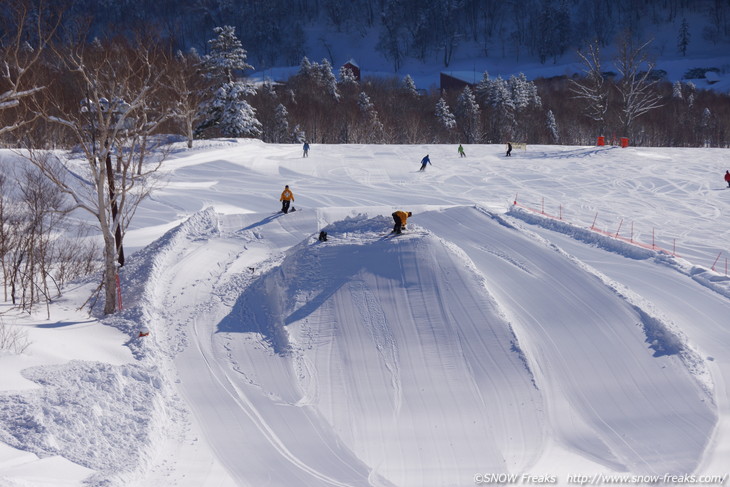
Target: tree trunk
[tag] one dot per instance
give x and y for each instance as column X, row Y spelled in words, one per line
column 189, row 123
column 110, row 263
column 110, row 276
column 115, row 211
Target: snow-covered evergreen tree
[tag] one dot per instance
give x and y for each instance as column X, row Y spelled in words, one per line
column 409, row 86
column 677, row 90
column 227, row 54
column 468, row 112
column 500, row 94
column 373, row 126
column 503, row 115
column 318, row 77
column 524, row 92
column 230, row 113
column 483, row 89
column 227, row 109
column 281, row 133
column 552, row 127
column 444, row 116
column 298, row 134
column 364, row 103
column 328, row 80
column 347, row 77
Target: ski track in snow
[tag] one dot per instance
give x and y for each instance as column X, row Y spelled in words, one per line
column 220, row 256
column 296, row 348
column 484, row 339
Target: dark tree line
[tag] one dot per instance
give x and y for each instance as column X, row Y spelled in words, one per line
column 190, row 94
column 495, row 110
column 434, row 30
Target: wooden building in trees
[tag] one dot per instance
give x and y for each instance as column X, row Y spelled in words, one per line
column 456, row 81
column 352, row 66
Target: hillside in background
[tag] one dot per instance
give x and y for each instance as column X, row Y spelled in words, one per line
column 417, row 37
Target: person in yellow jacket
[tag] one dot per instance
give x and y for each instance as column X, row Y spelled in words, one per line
column 400, row 218
column 286, row 198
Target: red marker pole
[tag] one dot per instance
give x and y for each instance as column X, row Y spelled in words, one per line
column 718, row 258
column 619, row 227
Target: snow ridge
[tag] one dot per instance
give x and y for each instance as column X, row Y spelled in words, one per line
column 662, row 336
column 704, row 276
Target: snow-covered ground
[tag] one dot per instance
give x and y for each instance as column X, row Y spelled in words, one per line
column 578, row 332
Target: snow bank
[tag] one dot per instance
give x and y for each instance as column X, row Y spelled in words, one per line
column 97, row 415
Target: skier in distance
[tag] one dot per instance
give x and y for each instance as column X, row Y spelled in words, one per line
column 425, row 161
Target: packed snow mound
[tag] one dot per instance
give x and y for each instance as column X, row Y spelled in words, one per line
column 583, row 335
column 462, row 345
column 397, row 343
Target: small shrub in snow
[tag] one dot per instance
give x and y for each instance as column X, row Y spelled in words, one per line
column 13, row 338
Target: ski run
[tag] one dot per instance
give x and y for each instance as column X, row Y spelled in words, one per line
column 556, row 317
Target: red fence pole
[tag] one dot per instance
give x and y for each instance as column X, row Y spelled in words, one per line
column 619, row 227
column 718, row 258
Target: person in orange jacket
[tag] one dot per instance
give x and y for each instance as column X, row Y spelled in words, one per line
column 400, row 218
column 286, row 198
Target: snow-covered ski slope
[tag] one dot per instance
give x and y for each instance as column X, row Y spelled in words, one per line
column 487, row 339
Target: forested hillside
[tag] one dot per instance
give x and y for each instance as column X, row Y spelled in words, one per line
column 184, row 68
column 281, row 32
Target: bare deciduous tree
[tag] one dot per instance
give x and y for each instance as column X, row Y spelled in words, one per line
column 118, row 103
column 190, row 88
column 26, row 32
column 637, row 86
column 592, row 88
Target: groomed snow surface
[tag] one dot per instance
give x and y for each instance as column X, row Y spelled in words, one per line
column 488, row 340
